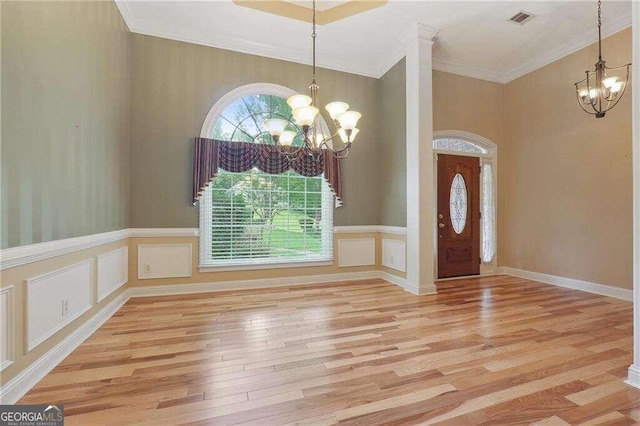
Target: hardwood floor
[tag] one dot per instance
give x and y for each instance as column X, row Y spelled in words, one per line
column 498, row 350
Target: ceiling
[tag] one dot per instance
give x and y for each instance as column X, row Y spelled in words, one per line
column 474, row 38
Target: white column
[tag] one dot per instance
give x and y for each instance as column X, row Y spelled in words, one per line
column 634, row 370
column 420, row 175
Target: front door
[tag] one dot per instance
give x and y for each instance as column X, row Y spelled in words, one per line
column 458, row 216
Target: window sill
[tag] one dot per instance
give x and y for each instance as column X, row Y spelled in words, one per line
column 250, row 267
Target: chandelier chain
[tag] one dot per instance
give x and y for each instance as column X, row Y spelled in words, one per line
column 599, row 30
column 313, row 36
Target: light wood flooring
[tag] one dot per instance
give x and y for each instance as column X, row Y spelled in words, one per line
column 497, row 350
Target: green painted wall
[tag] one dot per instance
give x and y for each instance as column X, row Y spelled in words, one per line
column 65, row 120
column 174, row 86
column 393, row 128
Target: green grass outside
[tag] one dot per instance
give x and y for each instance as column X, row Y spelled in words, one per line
column 286, row 227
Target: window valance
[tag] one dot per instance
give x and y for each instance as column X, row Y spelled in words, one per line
column 211, row 154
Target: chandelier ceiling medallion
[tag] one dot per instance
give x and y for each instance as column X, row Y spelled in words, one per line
column 308, row 123
column 601, row 90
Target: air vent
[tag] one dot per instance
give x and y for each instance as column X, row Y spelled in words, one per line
column 522, row 17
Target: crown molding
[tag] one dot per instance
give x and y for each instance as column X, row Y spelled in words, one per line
column 579, row 42
column 423, row 32
column 451, row 66
column 203, row 38
column 387, row 58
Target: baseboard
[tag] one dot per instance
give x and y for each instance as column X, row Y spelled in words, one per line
column 601, row 289
column 399, row 281
column 208, row 287
column 12, row 391
column 634, row 376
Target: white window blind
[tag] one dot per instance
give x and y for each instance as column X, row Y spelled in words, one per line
column 254, row 218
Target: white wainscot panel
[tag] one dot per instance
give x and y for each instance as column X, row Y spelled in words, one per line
column 356, row 252
column 56, row 299
column 394, row 254
column 112, row 271
column 6, row 327
column 164, row 260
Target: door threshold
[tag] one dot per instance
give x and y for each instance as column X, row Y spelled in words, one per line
column 464, row 277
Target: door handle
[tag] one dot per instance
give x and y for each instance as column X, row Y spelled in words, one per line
column 441, row 225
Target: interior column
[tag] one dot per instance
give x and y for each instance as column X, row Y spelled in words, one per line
column 634, row 370
column 420, row 170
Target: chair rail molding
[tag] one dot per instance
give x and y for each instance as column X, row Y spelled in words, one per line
column 22, row 255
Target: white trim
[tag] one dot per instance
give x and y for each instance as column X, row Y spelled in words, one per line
column 587, row 38
column 13, row 390
column 634, row 376
column 601, row 289
column 420, row 180
column 11, row 321
column 356, row 252
column 22, row 255
column 31, row 342
column 453, row 67
column 163, row 232
column 149, row 275
column 202, row 38
column 634, row 370
column 101, row 292
column 209, row 287
column 364, row 229
column 387, row 59
column 274, row 265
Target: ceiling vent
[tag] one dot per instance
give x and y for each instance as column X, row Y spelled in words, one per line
column 522, row 17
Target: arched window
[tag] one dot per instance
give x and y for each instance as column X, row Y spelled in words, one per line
column 469, row 144
column 255, row 218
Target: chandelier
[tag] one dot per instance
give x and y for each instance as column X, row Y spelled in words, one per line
column 600, row 91
column 308, row 121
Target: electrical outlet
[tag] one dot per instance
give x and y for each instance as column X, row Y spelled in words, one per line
column 393, row 260
column 65, row 307
column 147, row 267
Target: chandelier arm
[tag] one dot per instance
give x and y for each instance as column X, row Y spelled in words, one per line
column 346, row 148
column 620, row 95
column 340, row 155
column 583, row 108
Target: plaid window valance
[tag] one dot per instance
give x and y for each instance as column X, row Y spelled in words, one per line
column 237, row 157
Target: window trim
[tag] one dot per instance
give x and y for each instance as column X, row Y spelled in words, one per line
column 491, row 157
column 205, row 132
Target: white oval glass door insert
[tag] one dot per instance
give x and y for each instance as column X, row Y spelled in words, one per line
column 458, row 203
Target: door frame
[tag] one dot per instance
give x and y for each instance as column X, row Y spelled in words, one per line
column 490, row 157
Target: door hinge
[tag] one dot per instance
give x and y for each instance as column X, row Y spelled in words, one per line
column 480, row 260
column 480, row 213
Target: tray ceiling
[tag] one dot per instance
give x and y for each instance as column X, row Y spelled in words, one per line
column 474, row 39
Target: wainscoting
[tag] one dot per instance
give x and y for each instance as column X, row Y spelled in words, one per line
column 56, row 299
column 113, row 271
column 56, row 294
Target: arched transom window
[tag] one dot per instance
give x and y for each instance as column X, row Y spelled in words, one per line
column 255, row 218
